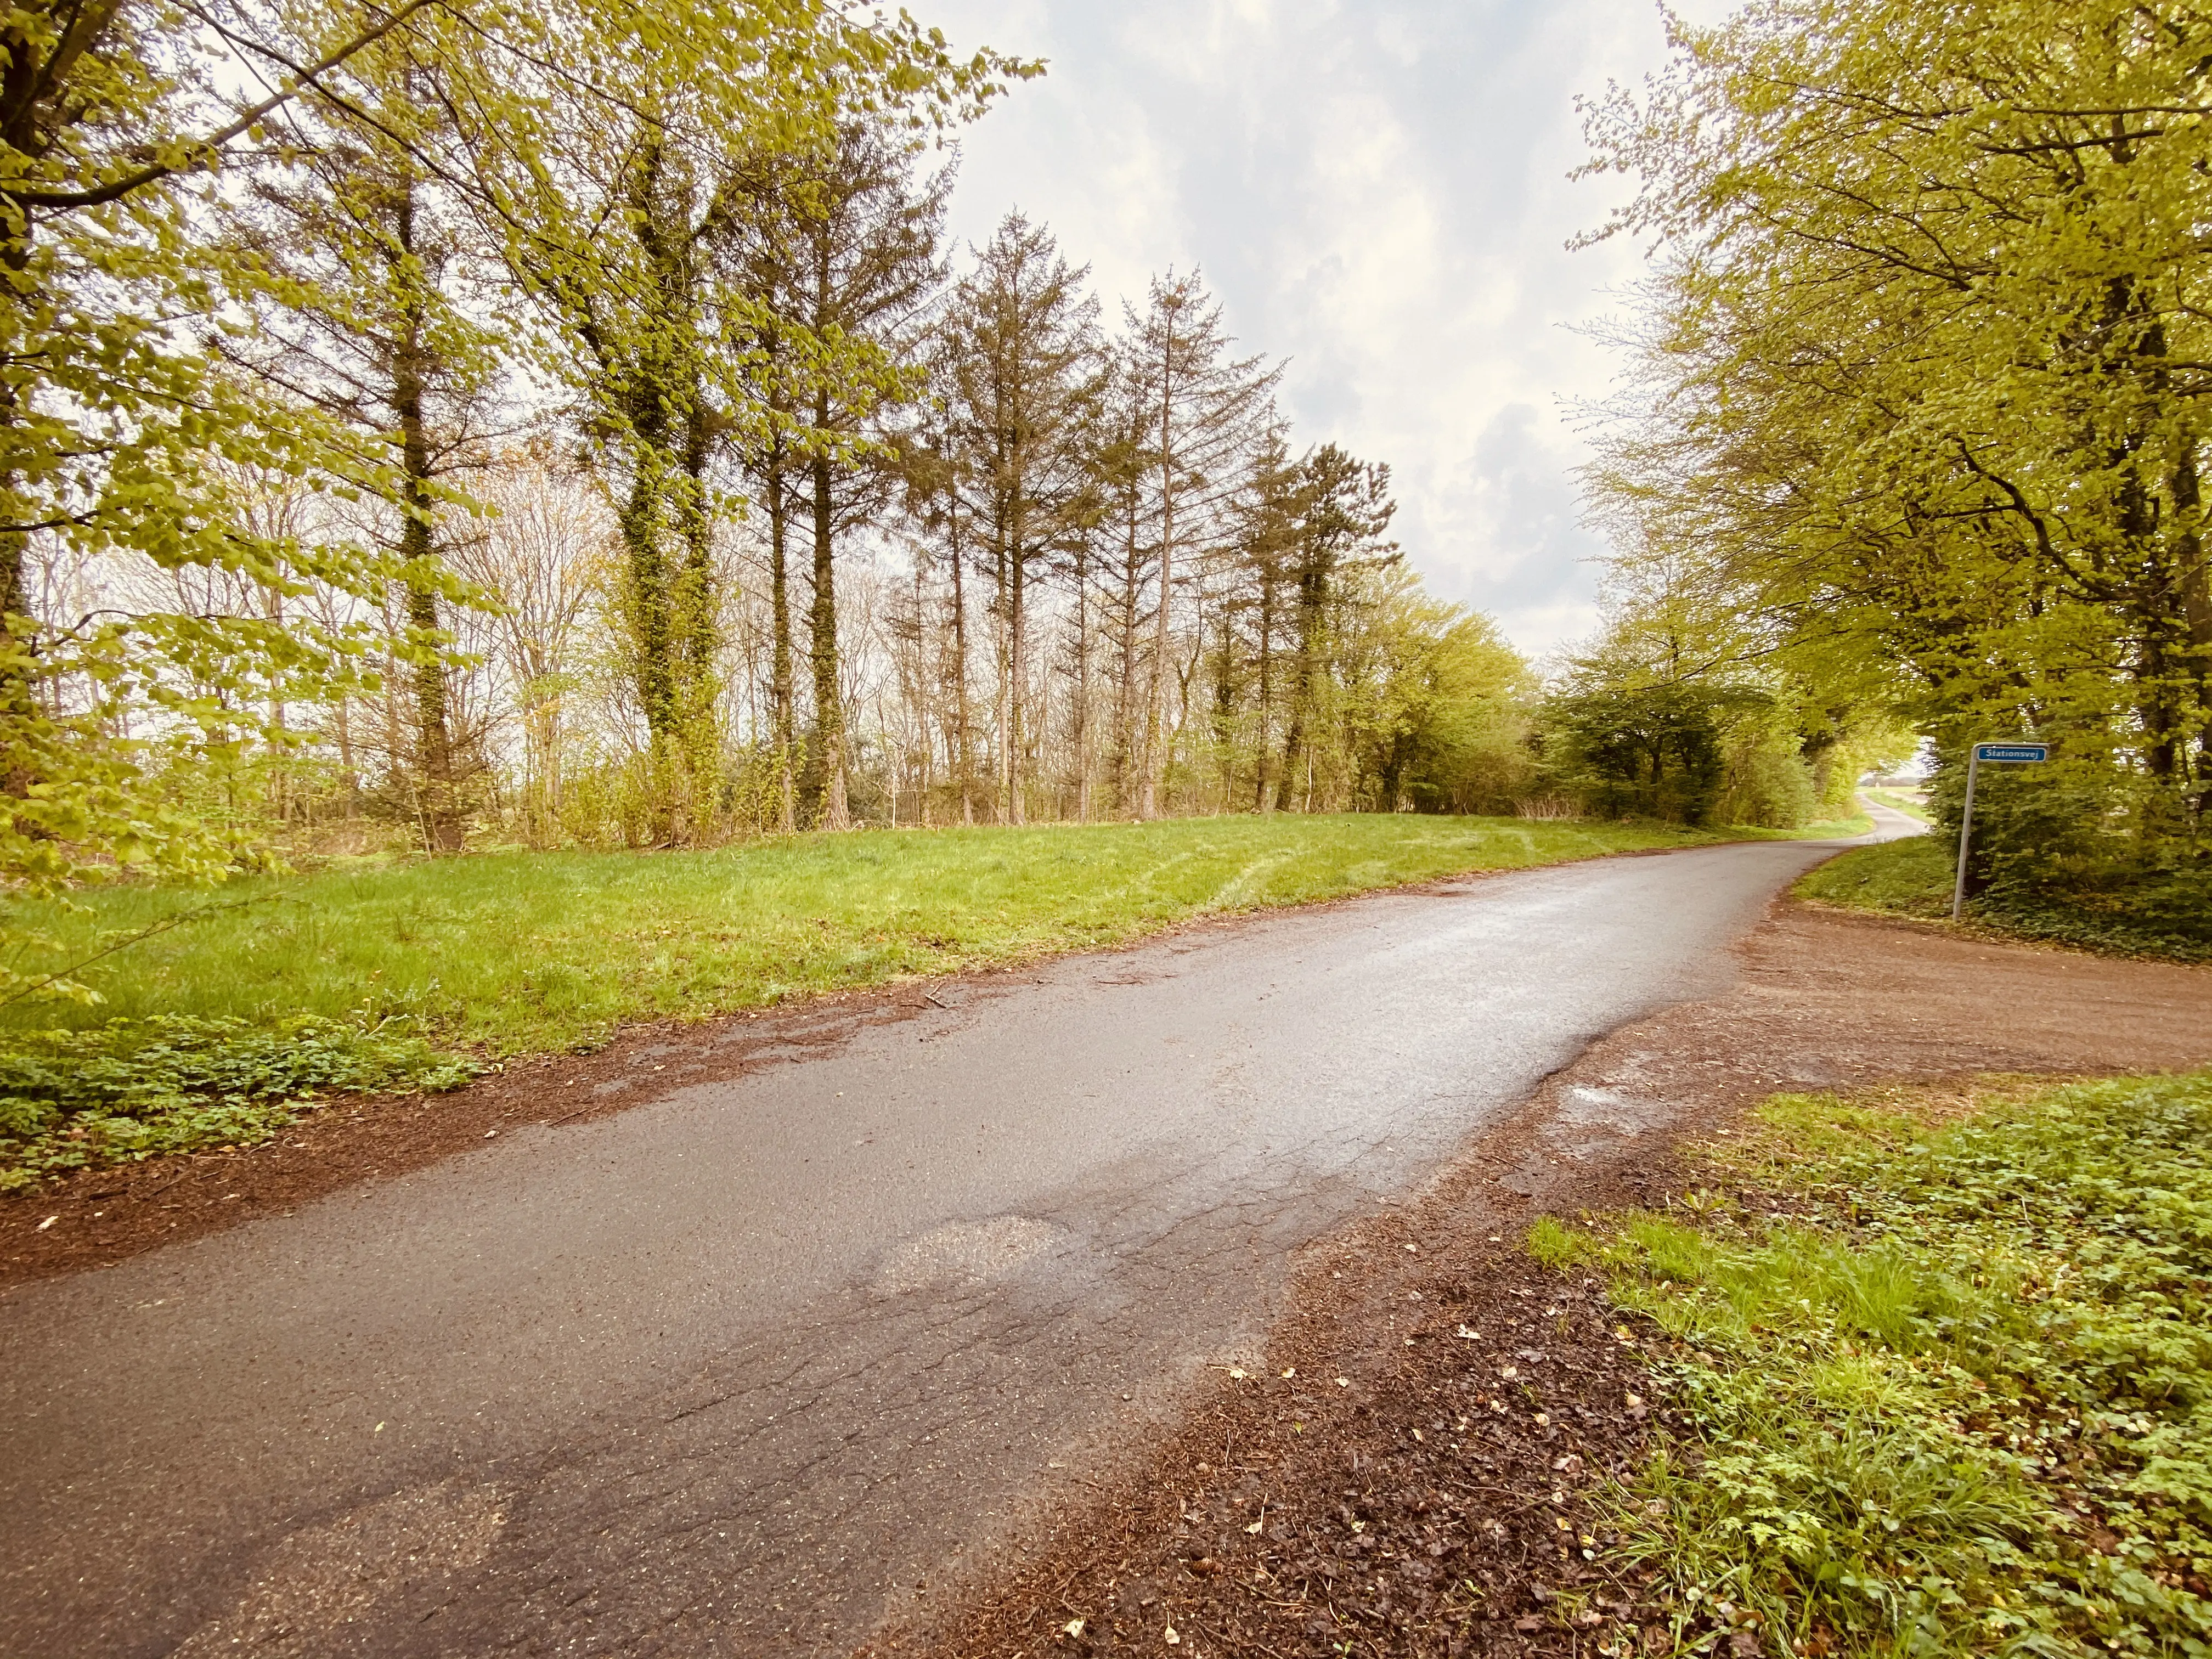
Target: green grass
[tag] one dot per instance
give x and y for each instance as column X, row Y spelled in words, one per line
column 1941, row 1380
column 1833, row 830
column 519, row 952
column 537, row 950
column 1909, row 877
column 2162, row 914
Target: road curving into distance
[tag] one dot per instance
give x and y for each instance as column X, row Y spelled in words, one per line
column 743, row 1369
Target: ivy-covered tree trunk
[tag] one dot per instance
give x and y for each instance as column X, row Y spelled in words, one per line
column 832, row 810
column 782, row 690
column 436, row 786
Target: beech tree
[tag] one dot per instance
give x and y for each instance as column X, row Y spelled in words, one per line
column 120, row 438
column 1923, row 369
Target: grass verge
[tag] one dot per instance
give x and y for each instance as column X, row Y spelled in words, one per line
column 2164, row 917
column 1946, row 1367
column 368, row 971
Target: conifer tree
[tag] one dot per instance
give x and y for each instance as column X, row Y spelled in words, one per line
column 1019, row 368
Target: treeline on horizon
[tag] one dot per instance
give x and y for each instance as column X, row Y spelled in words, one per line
column 437, row 425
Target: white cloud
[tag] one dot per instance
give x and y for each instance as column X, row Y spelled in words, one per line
column 1376, row 189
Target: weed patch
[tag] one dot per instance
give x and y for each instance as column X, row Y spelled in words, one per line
column 1947, row 1375
column 130, row 1089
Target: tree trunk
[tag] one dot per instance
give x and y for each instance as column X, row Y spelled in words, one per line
column 1017, row 666
column 433, row 744
column 1148, row 799
column 1128, row 749
column 1264, row 800
column 1312, row 601
column 780, row 690
column 698, row 632
column 1000, row 716
column 1080, row 731
column 18, row 631
column 960, row 717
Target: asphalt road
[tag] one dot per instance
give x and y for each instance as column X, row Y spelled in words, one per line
column 739, row 1370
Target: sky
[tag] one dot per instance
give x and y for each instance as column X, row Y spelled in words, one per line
column 1375, row 190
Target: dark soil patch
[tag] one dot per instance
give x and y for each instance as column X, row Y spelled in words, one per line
column 1432, row 1504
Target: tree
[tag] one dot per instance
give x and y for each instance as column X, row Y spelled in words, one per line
column 541, row 552
column 1342, row 506
column 1205, row 411
column 1019, row 369
column 121, row 441
column 1923, row 366
column 654, row 144
column 1124, row 556
column 376, row 330
column 840, row 248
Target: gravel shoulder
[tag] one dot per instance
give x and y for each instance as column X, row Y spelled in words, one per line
column 1406, row 1470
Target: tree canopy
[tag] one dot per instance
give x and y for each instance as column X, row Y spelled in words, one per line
column 1917, row 404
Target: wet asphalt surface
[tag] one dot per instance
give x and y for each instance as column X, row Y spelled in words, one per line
column 747, row 1368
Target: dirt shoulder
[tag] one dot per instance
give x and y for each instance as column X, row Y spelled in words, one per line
column 1407, row 1472
column 100, row 1216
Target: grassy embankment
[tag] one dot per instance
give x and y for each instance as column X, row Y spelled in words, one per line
column 2154, row 916
column 351, row 977
column 1940, row 1374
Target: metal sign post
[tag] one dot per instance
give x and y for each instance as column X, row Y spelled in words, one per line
column 1997, row 754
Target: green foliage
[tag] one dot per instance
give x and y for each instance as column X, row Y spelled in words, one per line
column 124, row 438
column 1680, row 711
column 1648, row 750
column 147, row 416
column 1921, row 385
column 131, row 1089
column 1439, row 718
column 2121, row 908
column 1960, row 1400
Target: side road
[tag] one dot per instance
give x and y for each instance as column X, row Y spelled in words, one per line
column 748, row 1366
column 1401, row 1470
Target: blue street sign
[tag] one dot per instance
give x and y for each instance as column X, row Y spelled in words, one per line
column 2002, row 754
